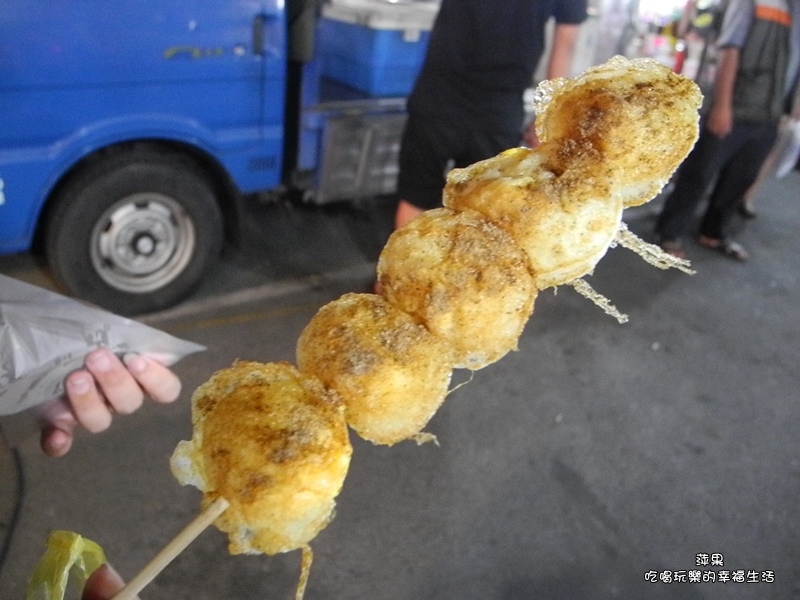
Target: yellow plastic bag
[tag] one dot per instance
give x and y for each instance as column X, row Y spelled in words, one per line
column 67, row 554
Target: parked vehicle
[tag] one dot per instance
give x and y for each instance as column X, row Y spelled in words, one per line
column 131, row 133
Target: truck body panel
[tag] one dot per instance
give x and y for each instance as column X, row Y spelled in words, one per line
column 82, row 75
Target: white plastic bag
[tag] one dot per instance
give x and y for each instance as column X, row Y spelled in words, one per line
column 44, row 336
column 790, row 148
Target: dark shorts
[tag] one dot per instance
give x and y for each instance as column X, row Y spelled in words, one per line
column 431, row 147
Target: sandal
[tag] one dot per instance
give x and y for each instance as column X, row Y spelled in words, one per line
column 728, row 247
column 673, row 248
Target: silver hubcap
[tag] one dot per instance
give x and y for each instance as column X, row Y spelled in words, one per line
column 142, row 243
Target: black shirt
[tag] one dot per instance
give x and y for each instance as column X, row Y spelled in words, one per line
column 481, row 57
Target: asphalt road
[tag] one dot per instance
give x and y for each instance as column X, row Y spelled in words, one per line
column 597, row 457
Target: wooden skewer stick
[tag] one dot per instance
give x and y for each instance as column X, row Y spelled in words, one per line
column 171, row 550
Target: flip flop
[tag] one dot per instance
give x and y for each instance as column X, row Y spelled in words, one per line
column 728, row 247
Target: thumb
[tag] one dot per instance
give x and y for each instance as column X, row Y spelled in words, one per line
column 103, row 584
column 57, row 423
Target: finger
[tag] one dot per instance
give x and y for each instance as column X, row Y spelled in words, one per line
column 161, row 384
column 88, row 405
column 103, row 584
column 717, row 130
column 57, row 424
column 56, row 442
column 113, row 379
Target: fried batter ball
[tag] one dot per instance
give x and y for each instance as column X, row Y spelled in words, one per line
column 273, row 443
column 563, row 222
column 463, row 278
column 639, row 115
column 391, row 372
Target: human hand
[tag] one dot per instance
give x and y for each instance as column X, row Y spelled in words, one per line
column 530, row 137
column 104, row 387
column 720, row 120
column 103, row 584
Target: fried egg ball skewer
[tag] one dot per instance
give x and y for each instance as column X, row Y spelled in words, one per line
column 274, row 444
column 272, row 441
column 391, row 373
column 463, row 278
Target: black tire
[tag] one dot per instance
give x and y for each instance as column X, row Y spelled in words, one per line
column 134, row 232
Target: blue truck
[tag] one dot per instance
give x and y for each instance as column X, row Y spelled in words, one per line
column 131, row 132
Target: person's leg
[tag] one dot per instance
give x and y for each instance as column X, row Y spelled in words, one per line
column 753, row 144
column 424, row 156
column 693, row 178
column 746, row 206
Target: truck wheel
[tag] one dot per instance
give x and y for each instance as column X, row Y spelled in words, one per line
column 134, row 234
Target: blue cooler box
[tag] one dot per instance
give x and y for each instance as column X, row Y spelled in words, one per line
column 376, row 47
